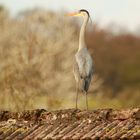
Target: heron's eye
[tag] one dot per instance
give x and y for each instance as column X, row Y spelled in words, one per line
column 82, row 13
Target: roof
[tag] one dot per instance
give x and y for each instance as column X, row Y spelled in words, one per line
column 70, row 124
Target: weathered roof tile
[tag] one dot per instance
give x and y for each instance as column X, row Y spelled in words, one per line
column 71, row 124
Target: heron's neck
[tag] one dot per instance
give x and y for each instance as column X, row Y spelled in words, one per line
column 82, row 43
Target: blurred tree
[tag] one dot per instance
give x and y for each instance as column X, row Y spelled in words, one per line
column 4, row 15
column 116, row 58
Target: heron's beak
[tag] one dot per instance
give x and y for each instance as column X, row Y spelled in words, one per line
column 74, row 14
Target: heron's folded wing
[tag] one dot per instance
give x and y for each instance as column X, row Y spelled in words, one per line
column 76, row 71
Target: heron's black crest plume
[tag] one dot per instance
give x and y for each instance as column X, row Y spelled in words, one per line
column 83, row 10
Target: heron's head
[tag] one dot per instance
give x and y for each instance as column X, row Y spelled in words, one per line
column 81, row 12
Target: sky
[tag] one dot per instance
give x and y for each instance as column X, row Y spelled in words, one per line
column 125, row 13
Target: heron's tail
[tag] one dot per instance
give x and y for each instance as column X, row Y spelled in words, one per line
column 85, row 84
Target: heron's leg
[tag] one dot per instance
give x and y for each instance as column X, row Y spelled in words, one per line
column 86, row 100
column 77, row 91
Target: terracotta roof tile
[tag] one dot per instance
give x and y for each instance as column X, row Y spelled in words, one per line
column 70, row 124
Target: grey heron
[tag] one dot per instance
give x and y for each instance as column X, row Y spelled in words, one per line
column 83, row 65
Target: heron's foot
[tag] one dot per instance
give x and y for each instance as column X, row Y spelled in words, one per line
column 76, row 107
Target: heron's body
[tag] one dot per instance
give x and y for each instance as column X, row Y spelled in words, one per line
column 83, row 65
column 83, row 69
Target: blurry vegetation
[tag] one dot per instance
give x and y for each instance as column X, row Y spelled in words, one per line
column 36, row 57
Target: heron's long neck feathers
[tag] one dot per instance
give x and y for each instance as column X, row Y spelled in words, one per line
column 82, row 42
